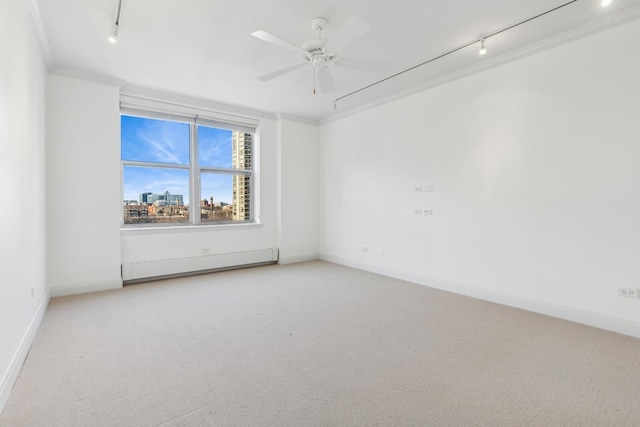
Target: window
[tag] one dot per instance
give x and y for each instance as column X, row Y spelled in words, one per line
column 185, row 169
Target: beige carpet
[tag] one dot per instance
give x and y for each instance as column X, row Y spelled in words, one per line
column 316, row 344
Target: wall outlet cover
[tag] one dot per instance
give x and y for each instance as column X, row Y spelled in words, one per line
column 628, row 292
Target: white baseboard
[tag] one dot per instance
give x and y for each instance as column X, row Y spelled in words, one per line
column 601, row 321
column 83, row 288
column 11, row 374
column 298, row 258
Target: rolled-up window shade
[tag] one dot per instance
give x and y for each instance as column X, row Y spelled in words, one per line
column 140, row 107
column 157, row 115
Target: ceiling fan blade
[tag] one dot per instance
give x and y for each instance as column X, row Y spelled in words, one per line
column 325, row 80
column 282, row 72
column 381, row 68
column 347, row 34
column 273, row 39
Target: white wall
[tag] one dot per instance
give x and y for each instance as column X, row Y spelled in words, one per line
column 83, row 185
column 535, row 170
column 22, row 179
column 299, row 207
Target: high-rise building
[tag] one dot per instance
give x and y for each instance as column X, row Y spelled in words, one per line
column 143, row 198
column 171, row 199
column 242, row 143
column 174, row 199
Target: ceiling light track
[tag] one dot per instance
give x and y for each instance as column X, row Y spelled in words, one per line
column 482, row 51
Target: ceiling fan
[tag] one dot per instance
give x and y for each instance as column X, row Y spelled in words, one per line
column 321, row 52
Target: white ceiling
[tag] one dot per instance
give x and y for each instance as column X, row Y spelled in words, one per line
column 204, row 48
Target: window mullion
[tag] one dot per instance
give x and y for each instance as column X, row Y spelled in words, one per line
column 121, row 192
column 194, row 209
column 154, row 165
column 228, row 171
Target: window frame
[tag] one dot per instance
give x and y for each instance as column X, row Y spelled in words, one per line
column 195, row 118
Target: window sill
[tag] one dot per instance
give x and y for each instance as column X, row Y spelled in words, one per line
column 133, row 231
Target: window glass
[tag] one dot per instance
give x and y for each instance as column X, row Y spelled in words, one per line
column 215, row 197
column 215, row 147
column 152, row 140
column 225, row 197
column 155, row 195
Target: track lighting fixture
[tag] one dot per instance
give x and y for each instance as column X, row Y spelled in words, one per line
column 483, row 50
column 113, row 38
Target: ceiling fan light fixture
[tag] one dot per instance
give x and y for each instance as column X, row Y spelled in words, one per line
column 483, row 49
column 319, row 61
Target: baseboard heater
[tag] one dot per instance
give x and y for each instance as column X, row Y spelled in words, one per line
column 152, row 270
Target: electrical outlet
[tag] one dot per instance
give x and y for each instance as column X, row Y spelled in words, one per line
column 628, row 292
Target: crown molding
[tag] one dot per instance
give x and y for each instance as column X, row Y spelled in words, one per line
column 87, row 76
column 33, row 10
column 567, row 37
column 290, row 117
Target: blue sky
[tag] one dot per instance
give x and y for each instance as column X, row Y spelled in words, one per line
column 167, row 142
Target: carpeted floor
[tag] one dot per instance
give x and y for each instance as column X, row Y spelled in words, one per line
column 316, row 344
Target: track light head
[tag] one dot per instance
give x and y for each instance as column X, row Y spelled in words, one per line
column 483, row 50
column 113, row 38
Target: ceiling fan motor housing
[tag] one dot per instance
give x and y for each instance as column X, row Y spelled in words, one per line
column 315, row 48
column 315, row 52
